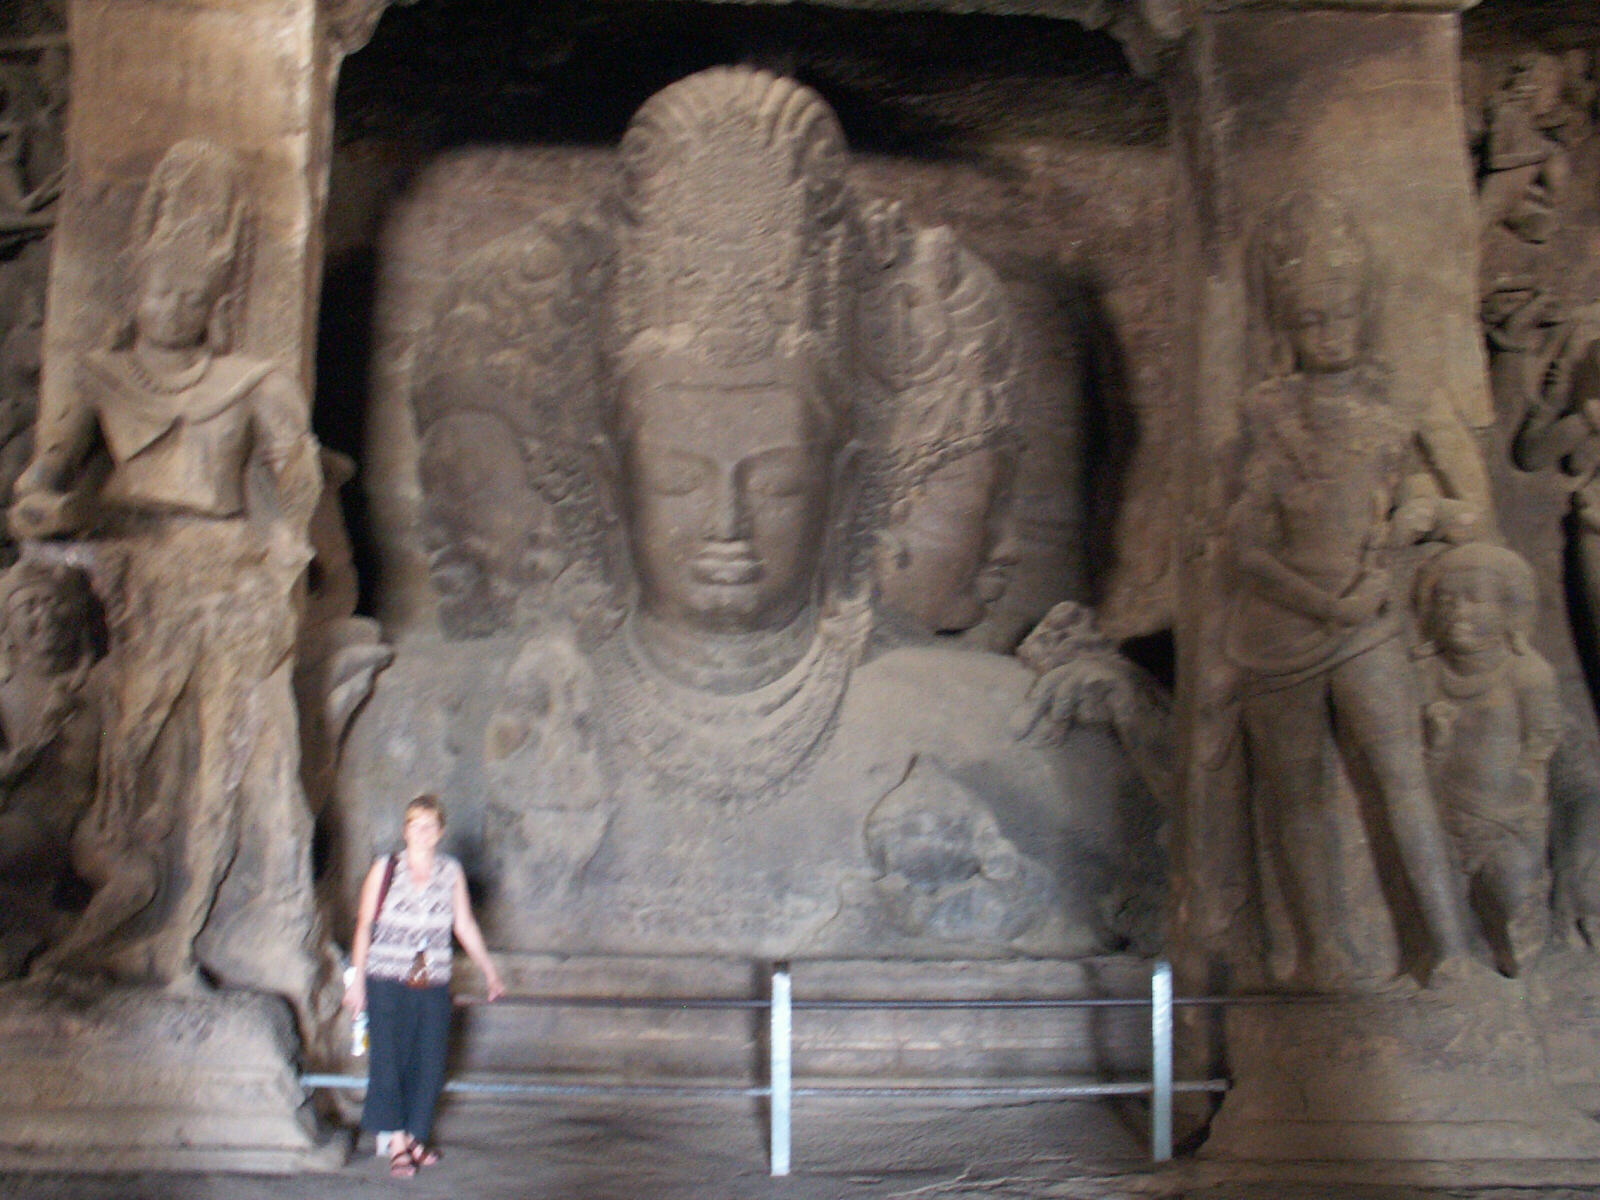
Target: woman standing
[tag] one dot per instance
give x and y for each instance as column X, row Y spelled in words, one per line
column 410, row 904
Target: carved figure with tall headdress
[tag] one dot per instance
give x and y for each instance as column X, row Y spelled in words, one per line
column 1315, row 629
column 190, row 470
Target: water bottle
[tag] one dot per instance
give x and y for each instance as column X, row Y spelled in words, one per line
column 358, row 1023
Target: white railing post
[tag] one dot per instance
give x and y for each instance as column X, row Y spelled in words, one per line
column 1161, row 1061
column 781, row 1055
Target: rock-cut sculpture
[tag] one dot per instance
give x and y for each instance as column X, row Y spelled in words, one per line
column 677, row 415
column 187, row 472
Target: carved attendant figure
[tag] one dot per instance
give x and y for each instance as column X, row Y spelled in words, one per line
column 197, row 841
column 1492, row 717
column 49, row 735
column 1314, row 626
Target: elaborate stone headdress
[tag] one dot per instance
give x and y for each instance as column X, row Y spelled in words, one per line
column 936, row 332
column 734, row 269
column 1307, row 246
column 731, row 248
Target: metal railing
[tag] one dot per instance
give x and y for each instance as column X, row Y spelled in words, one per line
column 780, row 1090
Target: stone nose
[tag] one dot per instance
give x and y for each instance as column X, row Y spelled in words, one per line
column 730, row 512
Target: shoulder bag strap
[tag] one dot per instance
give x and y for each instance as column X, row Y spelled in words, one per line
column 383, row 888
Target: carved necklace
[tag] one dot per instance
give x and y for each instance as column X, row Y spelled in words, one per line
column 168, row 385
column 742, row 748
column 1458, row 685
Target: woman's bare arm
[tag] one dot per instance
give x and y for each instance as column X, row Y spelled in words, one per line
column 355, row 996
column 471, row 939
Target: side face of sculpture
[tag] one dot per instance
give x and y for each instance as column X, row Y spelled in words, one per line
column 937, row 565
column 942, row 346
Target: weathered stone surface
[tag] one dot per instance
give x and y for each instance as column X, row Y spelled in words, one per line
column 1458, row 1073
column 679, row 455
column 131, row 1079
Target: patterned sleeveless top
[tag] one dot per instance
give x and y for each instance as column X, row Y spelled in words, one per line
column 416, row 918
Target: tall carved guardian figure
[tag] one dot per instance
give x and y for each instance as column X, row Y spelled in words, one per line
column 188, row 473
column 1315, row 627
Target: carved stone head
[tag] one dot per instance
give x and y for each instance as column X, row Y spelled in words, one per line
column 727, row 409
column 1314, row 271
column 188, row 238
column 726, row 479
column 1476, row 598
column 47, row 619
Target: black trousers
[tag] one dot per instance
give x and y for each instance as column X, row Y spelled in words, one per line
column 409, row 1033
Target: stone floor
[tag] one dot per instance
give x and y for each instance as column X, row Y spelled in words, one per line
column 845, row 1149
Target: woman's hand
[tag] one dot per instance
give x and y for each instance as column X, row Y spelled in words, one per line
column 493, row 983
column 355, row 995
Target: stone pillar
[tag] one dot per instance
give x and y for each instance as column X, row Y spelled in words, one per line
column 161, row 1070
column 1357, row 103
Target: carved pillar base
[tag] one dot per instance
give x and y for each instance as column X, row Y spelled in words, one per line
column 135, row 1080
column 1455, row 1074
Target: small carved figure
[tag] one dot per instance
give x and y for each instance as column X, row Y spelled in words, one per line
column 946, row 871
column 1561, row 430
column 32, row 164
column 49, row 723
column 1534, row 124
column 192, row 469
column 1315, row 628
column 1491, row 717
column 1525, row 168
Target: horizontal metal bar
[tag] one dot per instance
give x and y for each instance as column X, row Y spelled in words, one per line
column 657, row 1002
column 1034, row 1091
column 1030, row 1002
column 755, row 1003
column 513, row 1087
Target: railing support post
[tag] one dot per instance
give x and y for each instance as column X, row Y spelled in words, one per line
column 1161, row 1061
column 781, row 1058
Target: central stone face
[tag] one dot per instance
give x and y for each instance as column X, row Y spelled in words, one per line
column 663, row 443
